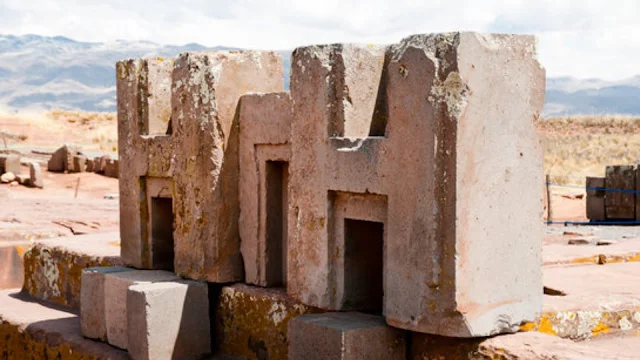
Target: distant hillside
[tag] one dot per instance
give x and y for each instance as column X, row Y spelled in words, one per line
column 570, row 96
column 57, row 72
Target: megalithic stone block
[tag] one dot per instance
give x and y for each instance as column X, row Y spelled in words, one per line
column 595, row 199
column 620, row 204
column 116, row 285
column 265, row 129
column 92, row 301
column 344, row 336
column 446, row 185
column 479, row 255
column 199, row 153
column 168, row 320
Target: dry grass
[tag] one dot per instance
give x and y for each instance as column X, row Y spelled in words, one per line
column 580, row 146
column 94, row 131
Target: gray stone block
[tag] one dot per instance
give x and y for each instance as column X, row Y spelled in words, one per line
column 92, row 301
column 115, row 289
column 168, row 320
column 344, row 336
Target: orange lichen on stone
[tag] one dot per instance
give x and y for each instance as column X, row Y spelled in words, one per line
column 546, row 326
column 54, row 274
column 252, row 322
column 600, row 329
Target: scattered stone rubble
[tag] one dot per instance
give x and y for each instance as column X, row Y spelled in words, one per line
column 69, row 158
column 10, row 171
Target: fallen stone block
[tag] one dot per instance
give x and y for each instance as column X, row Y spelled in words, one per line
column 90, row 165
column 53, row 268
column 35, row 175
column 92, row 301
column 168, row 320
column 7, row 178
column 79, row 164
column 10, row 163
column 116, row 286
column 100, row 163
column 344, row 336
column 62, row 159
column 252, row 322
column 111, row 168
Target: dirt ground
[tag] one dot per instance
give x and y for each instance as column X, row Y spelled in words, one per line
column 30, row 213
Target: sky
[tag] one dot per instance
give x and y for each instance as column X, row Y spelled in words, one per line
column 583, row 39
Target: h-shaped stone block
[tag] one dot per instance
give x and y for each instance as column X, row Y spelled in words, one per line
column 434, row 217
column 178, row 151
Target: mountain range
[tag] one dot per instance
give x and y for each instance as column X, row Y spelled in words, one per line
column 58, row 72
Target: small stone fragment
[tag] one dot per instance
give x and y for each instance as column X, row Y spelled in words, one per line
column 35, row 174
column 7, row 177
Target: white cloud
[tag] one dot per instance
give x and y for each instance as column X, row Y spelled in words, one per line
column 587, row 38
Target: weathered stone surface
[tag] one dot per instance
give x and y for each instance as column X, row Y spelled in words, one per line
column 92, row 301
column 23, row 179
column 115, row 290
column 168, row 320
column 10, row 163
column 53, row 268
column 344, row 336
column 265, row 127
column 428, row 190
column 79, row 164
column 199, row 155
column 35, row 175
column 90, row 165
column 100, row 163
column 597, row 300
column 251, row 323
column 112, row 168
column 595, row 199
column 620, row 204
column 29, row 330
column 521, row 346
column 11, row 264
column 7, row 178
column 62, row 159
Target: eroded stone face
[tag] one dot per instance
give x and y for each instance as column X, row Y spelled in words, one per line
column 198, row 155
column 443, row 191
column 400, row 180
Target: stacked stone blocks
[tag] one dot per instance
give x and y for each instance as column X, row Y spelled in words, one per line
column 390, row 179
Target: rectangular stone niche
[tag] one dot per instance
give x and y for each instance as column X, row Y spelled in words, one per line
column 357, row 238
column 363, row 265
column 161, row 223
column 277, row 173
